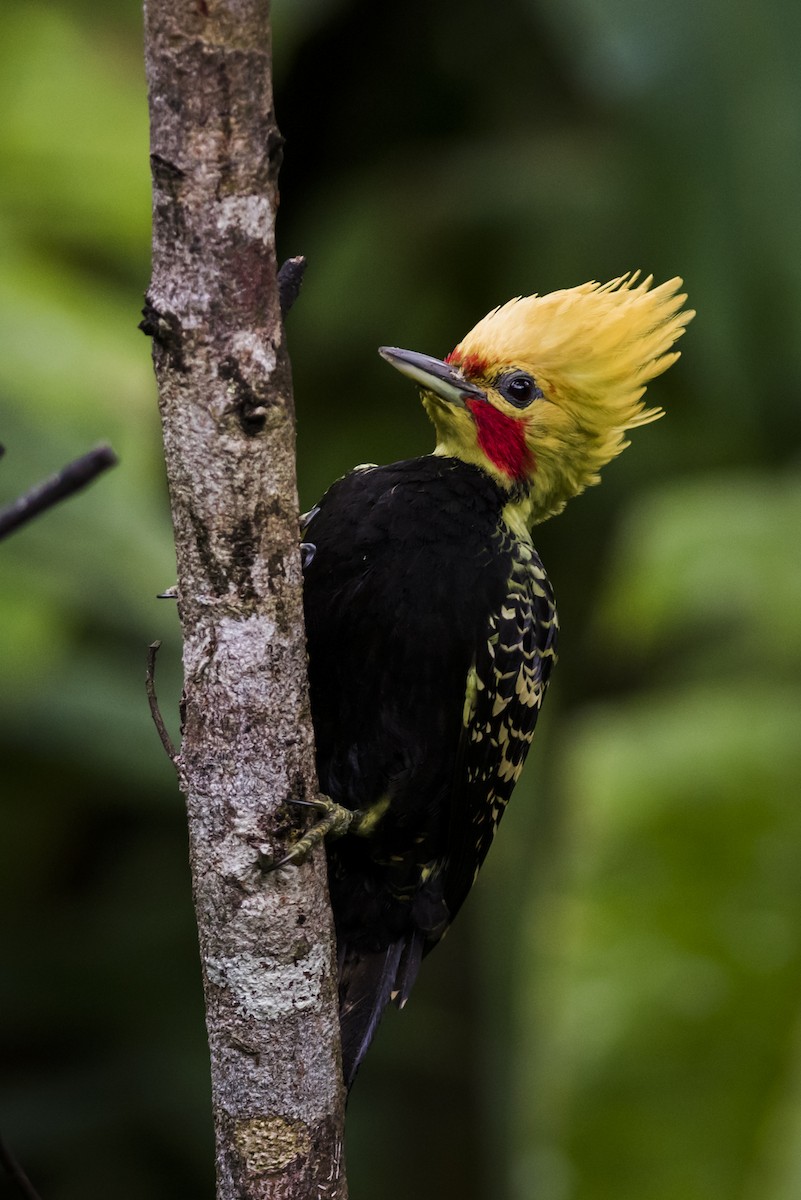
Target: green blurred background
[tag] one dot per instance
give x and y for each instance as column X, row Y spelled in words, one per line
column 616, row 1015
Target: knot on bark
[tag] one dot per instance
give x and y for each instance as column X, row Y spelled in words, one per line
column 250, row 390
column 167, row 333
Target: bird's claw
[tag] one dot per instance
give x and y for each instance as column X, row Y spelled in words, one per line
column 335, row 820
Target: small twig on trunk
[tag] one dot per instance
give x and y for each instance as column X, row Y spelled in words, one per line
column 290, row 277
column 16, row 1173
column 66, row 482
column 155, row 711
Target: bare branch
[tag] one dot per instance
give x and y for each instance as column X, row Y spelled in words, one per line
column 70, row 479
column 155, row 711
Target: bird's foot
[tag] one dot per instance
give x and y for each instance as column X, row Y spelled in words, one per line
column 334, row 820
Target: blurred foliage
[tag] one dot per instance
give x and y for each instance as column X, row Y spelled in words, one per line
column 616, row 1013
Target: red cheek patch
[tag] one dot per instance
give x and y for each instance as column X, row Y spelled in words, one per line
column 503, row 439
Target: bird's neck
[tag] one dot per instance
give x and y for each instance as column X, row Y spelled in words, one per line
column 518, row 506
column 519, row 513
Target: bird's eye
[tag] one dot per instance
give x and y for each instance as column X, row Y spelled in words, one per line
column 519, row 389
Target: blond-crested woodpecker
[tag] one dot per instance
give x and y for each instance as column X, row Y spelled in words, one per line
column 431, row 622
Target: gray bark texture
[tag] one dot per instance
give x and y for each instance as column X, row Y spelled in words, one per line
column 266, row 939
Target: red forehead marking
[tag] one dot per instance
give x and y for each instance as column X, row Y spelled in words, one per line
column 503, row 439
column 470, row 364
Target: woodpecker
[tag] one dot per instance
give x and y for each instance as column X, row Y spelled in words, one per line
column 431, row 622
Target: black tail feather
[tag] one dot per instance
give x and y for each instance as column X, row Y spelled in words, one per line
column 408, row 967
column 367, row 983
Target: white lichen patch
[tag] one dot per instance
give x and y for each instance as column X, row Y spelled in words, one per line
column 253, row 351
column 244, row 645
column 265, row 989
column 237, row 855
column 250, row 215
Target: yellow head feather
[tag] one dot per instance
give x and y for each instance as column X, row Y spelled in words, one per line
column 591, row 349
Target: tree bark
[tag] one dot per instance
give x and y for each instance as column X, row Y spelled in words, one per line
column 212, row 309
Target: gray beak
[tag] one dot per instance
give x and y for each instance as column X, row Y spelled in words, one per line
column 433, row 375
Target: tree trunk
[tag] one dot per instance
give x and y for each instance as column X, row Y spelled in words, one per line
column 266, row 939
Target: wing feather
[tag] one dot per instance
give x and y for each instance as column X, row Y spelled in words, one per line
column 503, row 695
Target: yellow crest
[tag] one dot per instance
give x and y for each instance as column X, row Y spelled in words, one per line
column 591, row 349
